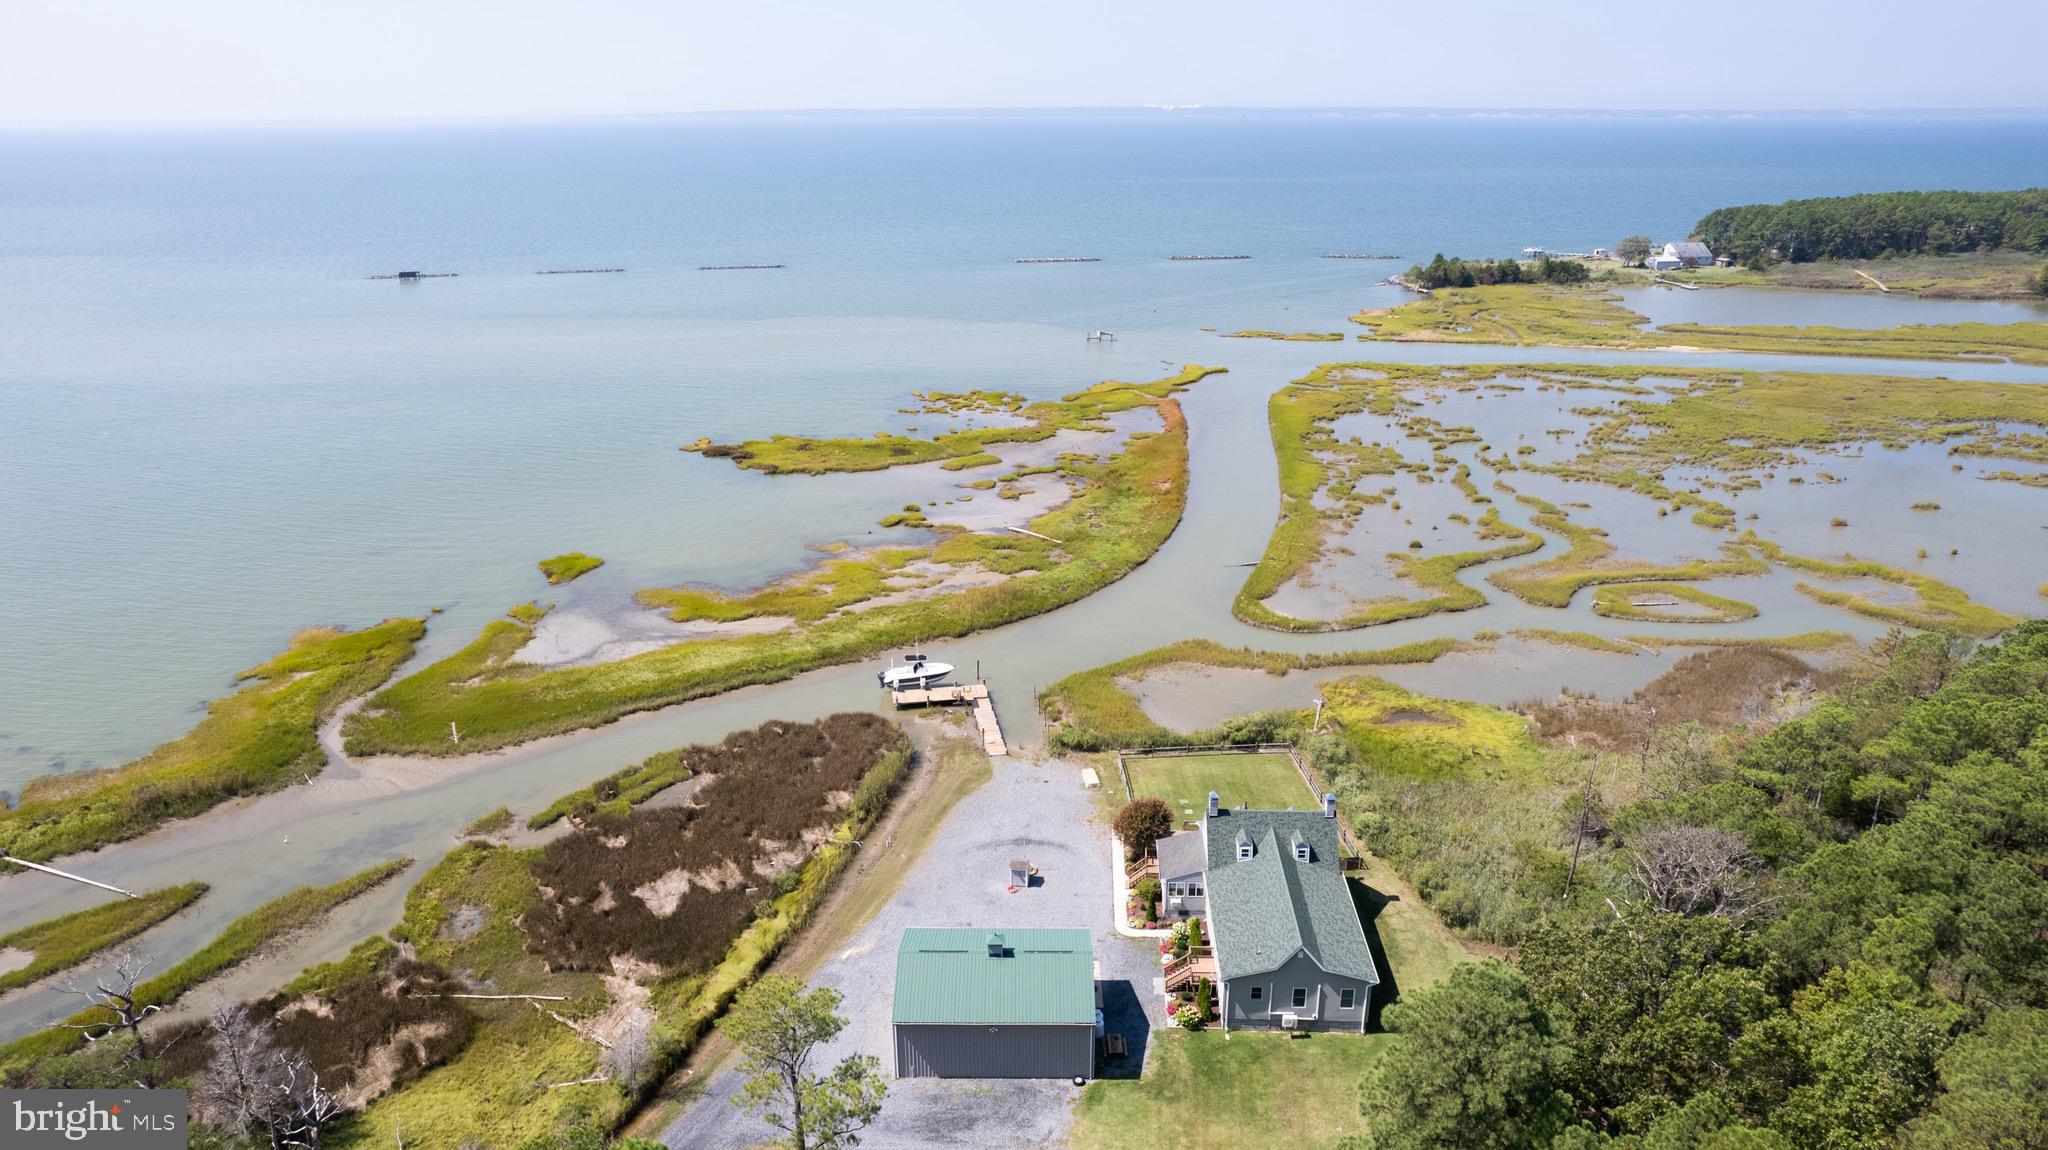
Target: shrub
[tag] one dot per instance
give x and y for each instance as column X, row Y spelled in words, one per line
column 1147, row 891
column 1142, row 823
column 1205, row 994
column 1190, row 1017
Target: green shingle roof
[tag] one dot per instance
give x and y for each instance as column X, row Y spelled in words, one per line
column 1265, row 908
column 947, row 976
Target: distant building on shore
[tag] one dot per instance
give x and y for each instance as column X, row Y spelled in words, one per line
column 1684, row 254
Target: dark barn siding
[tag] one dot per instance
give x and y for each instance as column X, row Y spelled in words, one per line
column 954, row 1051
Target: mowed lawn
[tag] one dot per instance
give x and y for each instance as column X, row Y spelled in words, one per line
column 1253, row 1090
column 1261, row 782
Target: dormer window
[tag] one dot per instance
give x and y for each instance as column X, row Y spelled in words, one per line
column 1300, row 851
column 1244, row 846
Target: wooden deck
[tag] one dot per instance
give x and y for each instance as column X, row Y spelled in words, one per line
column 974, row 695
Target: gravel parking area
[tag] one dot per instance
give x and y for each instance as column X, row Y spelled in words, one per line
column 1037, row 811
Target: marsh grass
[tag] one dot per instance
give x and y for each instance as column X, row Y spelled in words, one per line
column 261, row 738
column 1544, row 314
column 1401, row 732
column 64, row 942
column 1584, row 640
column 1090, row 711
column 1127, row 506
column 496, row 1091
column 1586, row 562
column 1941, row 607
column 241, row 939
column 1613, row 603
column 1082, row 410
column 568, row 565
column 1296, row 336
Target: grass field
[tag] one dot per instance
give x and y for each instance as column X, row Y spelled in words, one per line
column 1261, row 782
column 1249, row 1091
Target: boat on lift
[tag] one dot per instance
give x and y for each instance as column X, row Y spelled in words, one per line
column 913, row 672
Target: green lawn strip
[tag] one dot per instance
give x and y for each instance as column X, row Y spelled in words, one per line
column 568, row 565
column 1613, row 602
column 495, row 1091
column 1804, row 641
column 64, row 942
column 1083, row 409
column 1128, row 506
column 1584, row 640
column 1401, row 732
column 1553, row 582
column 1522, row 314
column 1252, row 1090
column 261, row 738
column 1092, row 711
column 1942, row 607
column 243, row 937
column 1296, row 336
column 617, row 792
column 1261, row 782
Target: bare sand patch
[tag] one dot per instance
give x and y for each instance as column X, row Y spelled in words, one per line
column 14, row 958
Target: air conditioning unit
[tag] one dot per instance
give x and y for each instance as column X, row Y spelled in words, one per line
column 1290, row 1022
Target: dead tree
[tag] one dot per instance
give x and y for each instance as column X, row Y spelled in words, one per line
column 252, row 1085
column 116, row 988
column 1685, row 869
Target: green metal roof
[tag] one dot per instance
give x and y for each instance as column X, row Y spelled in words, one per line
column 948, row 976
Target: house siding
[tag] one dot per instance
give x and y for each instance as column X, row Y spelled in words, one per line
column 1322, row 1011
column 1022, row 1051
column 1190, row 904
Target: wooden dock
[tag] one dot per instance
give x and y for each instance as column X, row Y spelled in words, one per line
column 974, row 695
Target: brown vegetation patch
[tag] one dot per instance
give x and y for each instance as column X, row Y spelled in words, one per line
column 363, row 1036
column 1718, row 687
column 688, row 868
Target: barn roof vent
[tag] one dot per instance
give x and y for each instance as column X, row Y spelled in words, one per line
column 995, row 946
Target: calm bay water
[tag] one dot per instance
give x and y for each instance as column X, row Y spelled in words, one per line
column 215, row 430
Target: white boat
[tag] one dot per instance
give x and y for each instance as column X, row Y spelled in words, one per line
column 913, row 672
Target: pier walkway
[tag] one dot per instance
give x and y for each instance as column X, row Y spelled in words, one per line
column 974, row 695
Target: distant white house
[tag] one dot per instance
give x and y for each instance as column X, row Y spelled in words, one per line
column 1684, row 254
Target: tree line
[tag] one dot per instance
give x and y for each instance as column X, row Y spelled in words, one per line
column 1455, row 272
column 1880, row 224
column 1830, row 934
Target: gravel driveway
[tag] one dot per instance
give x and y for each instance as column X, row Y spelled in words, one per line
column 1037, row 811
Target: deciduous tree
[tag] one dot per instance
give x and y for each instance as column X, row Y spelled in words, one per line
column 779, row 1023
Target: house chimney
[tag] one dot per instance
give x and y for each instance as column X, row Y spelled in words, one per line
column 1329, row 804
column 995, row 946
column 1215, row 803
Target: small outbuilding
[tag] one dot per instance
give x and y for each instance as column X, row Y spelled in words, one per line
column 978, row 1003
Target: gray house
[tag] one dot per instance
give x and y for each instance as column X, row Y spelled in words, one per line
column 1183, row 859
column 1289, row 950
column 995, row 1004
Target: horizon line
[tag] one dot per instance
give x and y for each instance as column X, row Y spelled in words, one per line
column 1390, row 111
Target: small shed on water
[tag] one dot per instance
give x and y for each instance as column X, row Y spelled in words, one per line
column 980, row 1003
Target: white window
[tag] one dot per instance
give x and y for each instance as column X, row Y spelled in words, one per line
column 1346, row 998
column 1244, row 850
column 1301, row 852
column 1300, row 997
column 1194, row 890
column 1258, row 992
column 1175, row 889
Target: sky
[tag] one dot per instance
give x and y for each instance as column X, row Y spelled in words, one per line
column 83, row 61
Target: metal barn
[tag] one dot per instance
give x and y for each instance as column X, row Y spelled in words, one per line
column 976, row 1003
